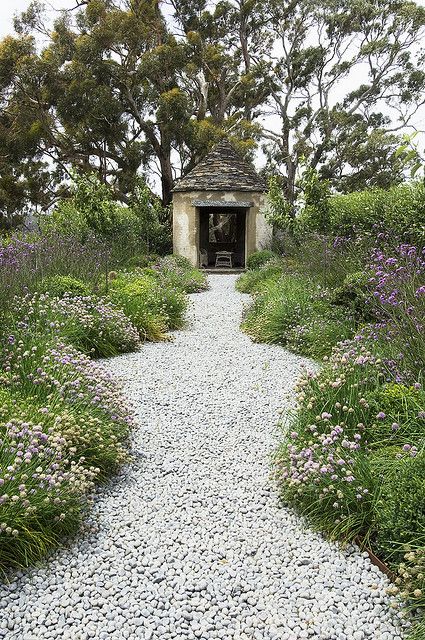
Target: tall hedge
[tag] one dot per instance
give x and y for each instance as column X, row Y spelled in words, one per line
column 399, row 210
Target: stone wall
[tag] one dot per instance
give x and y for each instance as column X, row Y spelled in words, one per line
column 186, row 220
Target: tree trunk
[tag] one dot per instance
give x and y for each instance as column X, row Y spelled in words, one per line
column 290, row 183
column 167, row 181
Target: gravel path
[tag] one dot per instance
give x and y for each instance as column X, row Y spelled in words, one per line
column 190, row 542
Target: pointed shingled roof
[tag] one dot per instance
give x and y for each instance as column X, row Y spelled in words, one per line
column 222, row 169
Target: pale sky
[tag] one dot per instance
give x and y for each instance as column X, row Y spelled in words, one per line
column 8, row 8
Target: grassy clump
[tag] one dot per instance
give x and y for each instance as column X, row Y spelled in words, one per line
column 91, row 324
column 259, row 258
column 63, row 426
column 152, row 306
column 289, row 309
column 177, row 272
column 254, row 280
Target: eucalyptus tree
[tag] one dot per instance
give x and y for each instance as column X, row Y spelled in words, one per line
column 225, row 77
column 126, row 87
column 24, row 174
column 346, row 77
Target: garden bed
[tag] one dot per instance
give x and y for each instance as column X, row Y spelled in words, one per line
column 353, row 457
column 64, row 424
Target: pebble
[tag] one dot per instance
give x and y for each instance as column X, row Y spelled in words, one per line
column 189, row 540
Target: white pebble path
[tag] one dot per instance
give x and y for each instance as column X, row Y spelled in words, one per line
column 190, row 541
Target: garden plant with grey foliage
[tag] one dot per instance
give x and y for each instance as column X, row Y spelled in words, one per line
column 191, row 541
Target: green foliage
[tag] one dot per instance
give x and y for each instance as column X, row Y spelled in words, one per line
column 259, row 258
column 152, row 220
column 92, row 325
column 280, row 214
column 142, row 260
column 401, row 505
column 354, row 293
column 26, row 261
column 177, row 272
column 418, row 632
column 337, row 489
column 253, row 281
column 70, row 425
column 58, row 286
column 325, row 259
column 181, row 261
column 353, row 458
column 151, row 306
column 410, row 153
column 402, row 406
column 316, row 194
column 92, row 209
column 291, row 311
column 187, row 82
column 397, row 211
column 61, row 415
column 319, row 331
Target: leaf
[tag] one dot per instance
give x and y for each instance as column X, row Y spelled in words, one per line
column 415, row 168
column 400, row 150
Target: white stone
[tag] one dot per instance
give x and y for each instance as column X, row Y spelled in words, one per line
column 205, row 548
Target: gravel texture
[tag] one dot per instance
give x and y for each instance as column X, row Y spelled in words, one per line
column 190, row 541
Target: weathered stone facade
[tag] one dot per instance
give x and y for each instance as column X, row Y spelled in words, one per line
column 226, row 182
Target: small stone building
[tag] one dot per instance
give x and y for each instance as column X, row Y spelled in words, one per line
column 217, row 207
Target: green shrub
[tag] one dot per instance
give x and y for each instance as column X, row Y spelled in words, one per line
column 400, row 509
column 85, row 434
column 258, row 258
column 325, row 465
column 254, row 280
column 58, row 286
column 25, row 261
column 177, row 272
column 292, row 311
column 325, row 259
column 142, row 260
column 92, row 208
column 354, row 293
column 398, row 211
column 401, row 414
column 152, row 307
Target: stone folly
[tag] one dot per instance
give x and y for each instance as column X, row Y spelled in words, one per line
column 218, row 209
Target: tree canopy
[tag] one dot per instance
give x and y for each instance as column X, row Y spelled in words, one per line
column 131, row 88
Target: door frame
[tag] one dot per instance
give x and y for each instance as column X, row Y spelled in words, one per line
column 224, row 208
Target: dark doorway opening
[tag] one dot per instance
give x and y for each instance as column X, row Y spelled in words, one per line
column 222, row 229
